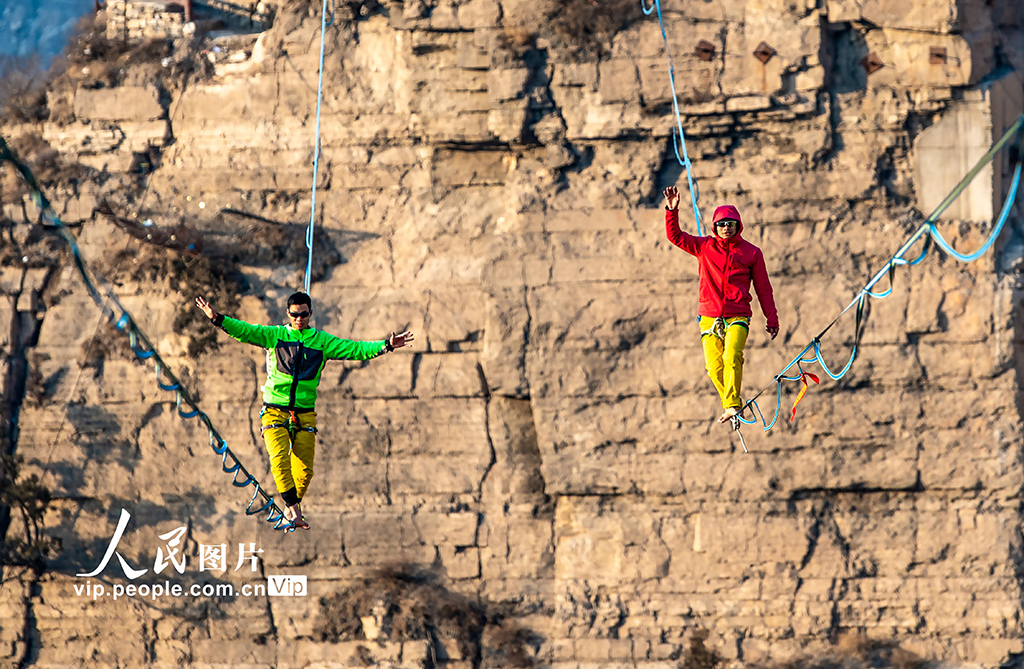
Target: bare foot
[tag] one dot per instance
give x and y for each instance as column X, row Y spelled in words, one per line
column 729, row 413
column 294, row 514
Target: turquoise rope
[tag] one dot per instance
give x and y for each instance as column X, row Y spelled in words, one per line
column 144, row 349
column 678, row 137
column 928, row 231
column 316, row 146
column 1003, row 215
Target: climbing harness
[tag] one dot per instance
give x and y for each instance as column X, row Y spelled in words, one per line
column 316, row 144
column 720, row 326
column 292, row 424
column 144, row 350
column 678, row 138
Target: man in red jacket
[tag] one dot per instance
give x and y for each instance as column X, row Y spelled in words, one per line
column 726, row 265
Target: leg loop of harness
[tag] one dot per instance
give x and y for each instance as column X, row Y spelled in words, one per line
column 271, row 426
column 717, row 328
column 721, row 325
column 292, row 425
column 295, row 425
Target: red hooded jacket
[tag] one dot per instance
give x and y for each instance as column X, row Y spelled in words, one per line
column 726, row 267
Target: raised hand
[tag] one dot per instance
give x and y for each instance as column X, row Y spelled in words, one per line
column 401, row 339
column 672, row 198
column 205, row 306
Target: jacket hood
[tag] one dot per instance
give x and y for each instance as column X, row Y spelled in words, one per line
column 726, row 211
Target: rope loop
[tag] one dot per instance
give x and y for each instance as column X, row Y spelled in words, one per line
column 249, row 480
column 249, row 511
column 224, row 463
column 140, row 352
column 778, row 407
column 164, row 386
column 218, row 445
column 824, row 366
column 1001, row 221
column 178, row 402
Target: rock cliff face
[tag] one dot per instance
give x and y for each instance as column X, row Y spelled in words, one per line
column 489, row 178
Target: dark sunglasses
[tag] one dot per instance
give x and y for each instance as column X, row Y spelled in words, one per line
column 726, row 222
column 304, row 314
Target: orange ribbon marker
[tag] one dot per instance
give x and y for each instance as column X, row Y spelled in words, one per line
column 803, row 377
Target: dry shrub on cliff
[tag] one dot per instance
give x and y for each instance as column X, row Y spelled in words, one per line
column 181, row 238
column 410, row 603
column 855, row 651
column 187, row 276
column 46, row 163
column 89, row 43
column 28, row 546
column 106, row 344
column 698, row 655
column 92, row 60
column 89, row 46
column 24, row 84
column 39, row 389
column 254, row 240
column 22, row 90
column 587, row 26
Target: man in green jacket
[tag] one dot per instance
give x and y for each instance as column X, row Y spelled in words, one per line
column 296, row 355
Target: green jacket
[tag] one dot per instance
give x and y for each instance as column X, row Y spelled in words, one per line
column 295, row 358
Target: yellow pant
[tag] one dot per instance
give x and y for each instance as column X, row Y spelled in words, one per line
column 291, row 463
column 723, row 357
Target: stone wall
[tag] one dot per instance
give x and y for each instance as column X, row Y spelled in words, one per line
column 141, row 20
column 136, row 20
column 549, row 446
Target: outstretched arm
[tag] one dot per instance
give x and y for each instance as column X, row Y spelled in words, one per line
column 247, row 333
column 347, row 349
column 763, row 287
column 685, row 241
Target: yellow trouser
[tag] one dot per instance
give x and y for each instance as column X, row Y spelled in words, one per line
column 291, row 463
column 723, row 356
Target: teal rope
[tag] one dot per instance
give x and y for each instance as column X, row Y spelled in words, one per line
column 316, row 146
column 678, row 138
column 144, row 349
column 1003, row 215
column 928, row 232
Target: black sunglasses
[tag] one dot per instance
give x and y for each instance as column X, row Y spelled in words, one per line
column 726, row 222
column 304, row 314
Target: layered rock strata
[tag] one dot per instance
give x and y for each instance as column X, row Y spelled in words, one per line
column 491, row 182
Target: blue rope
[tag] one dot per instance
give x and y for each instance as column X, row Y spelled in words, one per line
column 144, row 350
column 1003, row 215
column 316, row 146
column 926, row 231
column 678, row 137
